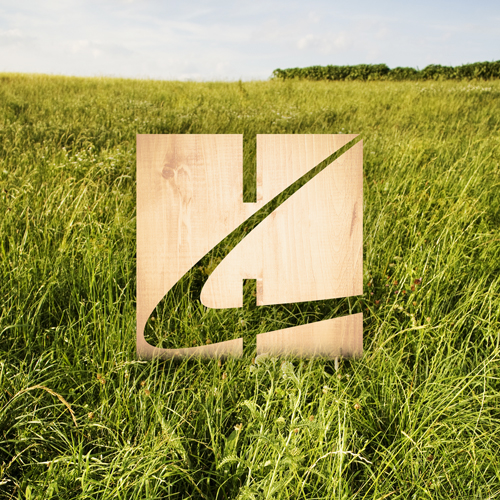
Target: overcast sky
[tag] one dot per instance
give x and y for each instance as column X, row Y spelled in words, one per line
column 229, row 40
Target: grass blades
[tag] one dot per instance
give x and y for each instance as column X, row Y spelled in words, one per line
column 417, row 417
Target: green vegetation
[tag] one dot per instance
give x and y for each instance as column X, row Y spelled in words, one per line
column 417, row 417
column 480, row 70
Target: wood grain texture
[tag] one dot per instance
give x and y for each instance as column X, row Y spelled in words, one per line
column 310, row 247
column 337, row 337
column 190, row 196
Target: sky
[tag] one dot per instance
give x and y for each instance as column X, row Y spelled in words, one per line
column 232, row 40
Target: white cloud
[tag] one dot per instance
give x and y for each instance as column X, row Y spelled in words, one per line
column 383, row 33
column 97, row 48
column 326, row 44
column 203, row 39
column 15, row 37
column 306, row 41
column 314, row 17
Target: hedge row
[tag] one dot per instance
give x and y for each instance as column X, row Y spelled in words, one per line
column 480, row 70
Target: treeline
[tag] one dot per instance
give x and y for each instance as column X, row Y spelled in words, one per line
column 479, row 70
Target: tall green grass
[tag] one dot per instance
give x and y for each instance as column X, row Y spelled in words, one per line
column 417, row 417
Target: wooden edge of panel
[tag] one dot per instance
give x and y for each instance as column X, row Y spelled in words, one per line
column 225, row 349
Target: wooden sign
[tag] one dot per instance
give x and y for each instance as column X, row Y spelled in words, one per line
column 190, row 197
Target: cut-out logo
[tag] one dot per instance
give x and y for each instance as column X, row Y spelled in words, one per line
column 309, row 248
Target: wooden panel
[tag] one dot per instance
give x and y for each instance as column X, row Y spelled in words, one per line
column 284, row 158
column 337, row 337
column 190, row 196
column 309, row 248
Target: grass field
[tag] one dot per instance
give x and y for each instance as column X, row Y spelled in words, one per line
column 417, row 417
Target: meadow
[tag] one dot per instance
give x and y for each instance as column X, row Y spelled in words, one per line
column 418, row 417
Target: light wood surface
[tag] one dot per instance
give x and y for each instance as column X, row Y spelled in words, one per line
column 331, row 338
column 190, row 196
column 311, row 246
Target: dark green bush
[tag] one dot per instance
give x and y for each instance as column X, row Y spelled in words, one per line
column 480, row 70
